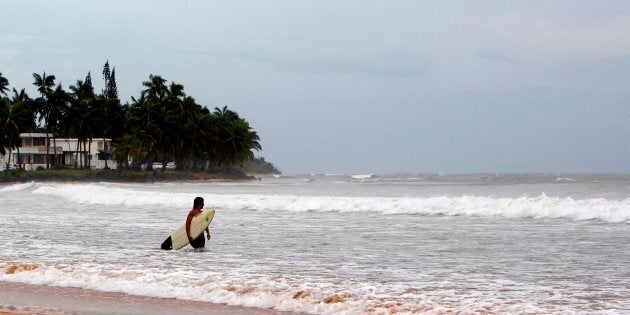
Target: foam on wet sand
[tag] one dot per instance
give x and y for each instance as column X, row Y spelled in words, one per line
column 17, row 298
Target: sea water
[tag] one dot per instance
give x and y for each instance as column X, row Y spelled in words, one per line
column 336, row 244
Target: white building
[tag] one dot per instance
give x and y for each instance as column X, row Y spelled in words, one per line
column 33, row 152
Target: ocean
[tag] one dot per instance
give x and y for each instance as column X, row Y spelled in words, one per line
column 335, row 243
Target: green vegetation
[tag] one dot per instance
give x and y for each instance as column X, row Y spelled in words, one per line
column 162, row 124
column 83, row 175
column 258, row 165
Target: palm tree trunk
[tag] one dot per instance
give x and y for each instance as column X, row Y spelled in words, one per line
column 55, row 150
column 18, row 157
column 47, row 151
column 89, row 158
column 76, row 160
column 47, row 142
column 190, row 159
column 80, row 156
column 10, row 153
column 105, row 153
column 84, row 160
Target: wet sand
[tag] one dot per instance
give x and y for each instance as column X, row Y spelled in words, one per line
column 16, row 298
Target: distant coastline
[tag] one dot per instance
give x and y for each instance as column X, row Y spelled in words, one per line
column 84, row 129
column 139, row 176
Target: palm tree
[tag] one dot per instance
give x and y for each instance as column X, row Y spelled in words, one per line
column 4, row 140
column 44, row 84
column 57, row 106
column 155, row 87
column 192, row 131
column 128, row 140
column 128, row 146
column 4, row 137
column 82, row 126
column 169, row 120
column 226, row 113
column 176, row 91
column 237, row 138
column 16, row 116
column 4, row 85
column 166, row 125
column 238, row 141
column 110, row 118
column 198, row 136
column 141, row 110
column 82, row 117
column 145, row 112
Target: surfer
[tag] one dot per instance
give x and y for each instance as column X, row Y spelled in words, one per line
column 198, row 242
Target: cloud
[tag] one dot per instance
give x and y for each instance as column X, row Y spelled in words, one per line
column 536, row 39
column 389, row 65
column 19, row 39
column 499, row 57
column 8, row 53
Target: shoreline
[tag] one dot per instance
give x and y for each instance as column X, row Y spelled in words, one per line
column 19, row 298
column 126, row 176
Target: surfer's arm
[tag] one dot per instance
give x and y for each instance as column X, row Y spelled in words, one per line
column 208, row 231
column 188, row 220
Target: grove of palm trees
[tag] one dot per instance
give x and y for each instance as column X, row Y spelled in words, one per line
column 162, row 124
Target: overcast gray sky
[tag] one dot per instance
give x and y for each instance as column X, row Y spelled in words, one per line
column 364, row 86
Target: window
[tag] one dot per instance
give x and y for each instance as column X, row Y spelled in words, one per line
column 39, row 142
column 39, row 159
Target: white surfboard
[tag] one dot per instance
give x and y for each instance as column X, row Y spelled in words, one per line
column 199, row 223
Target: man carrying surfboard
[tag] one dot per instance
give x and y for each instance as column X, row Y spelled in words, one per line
column 198, row 242
column 196, row 223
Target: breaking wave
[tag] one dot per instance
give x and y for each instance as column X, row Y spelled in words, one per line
column 16, row 187
column 613, row 211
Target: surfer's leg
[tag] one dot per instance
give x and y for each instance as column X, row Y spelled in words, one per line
column 199, row 242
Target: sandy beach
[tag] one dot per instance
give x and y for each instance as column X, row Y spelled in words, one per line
column 18, row 298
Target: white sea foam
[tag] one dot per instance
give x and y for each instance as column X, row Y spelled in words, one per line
column 313, row 296
column 362, row 176
column 106, row 195
column 16, row 187
column 565, row 179
column 613, row 211
column 231, row 289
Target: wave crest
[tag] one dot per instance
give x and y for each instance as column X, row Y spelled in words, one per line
column 16, row 187
column 613, row 211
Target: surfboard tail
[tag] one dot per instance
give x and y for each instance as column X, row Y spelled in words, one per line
column 167, row 244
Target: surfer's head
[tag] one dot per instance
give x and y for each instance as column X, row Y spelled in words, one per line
column 198, row 202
